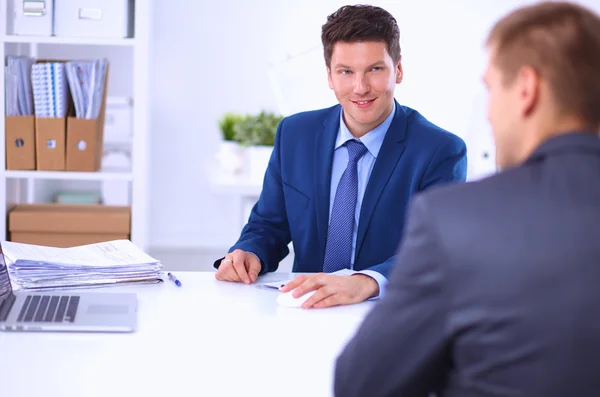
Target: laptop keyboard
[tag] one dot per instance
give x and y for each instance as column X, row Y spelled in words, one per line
column 46, row 308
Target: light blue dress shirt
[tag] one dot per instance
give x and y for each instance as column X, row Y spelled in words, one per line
column 373, row 141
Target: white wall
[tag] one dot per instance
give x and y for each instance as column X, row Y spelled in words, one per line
column 210, row 57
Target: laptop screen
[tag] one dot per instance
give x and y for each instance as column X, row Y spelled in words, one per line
column 5, row 287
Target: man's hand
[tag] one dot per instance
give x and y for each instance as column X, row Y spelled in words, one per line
column 333, row 290
column 239, row 266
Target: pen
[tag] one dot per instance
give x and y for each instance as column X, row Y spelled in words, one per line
column 172, row 277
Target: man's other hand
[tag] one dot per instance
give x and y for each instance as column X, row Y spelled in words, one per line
column 239, row 266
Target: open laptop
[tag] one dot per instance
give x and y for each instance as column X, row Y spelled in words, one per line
column 71, row 312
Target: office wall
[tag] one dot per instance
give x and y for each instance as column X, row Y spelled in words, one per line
column 210, row 57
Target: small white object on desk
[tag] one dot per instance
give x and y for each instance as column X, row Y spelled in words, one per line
column 288, row 300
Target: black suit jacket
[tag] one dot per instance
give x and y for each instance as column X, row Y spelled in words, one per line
column 497, row 288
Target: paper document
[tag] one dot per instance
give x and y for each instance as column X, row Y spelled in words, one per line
column 111, row 253
column 118, row 261
column 19, row 95
column 86, row 83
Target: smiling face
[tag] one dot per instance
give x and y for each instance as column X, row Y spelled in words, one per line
column 363, row 77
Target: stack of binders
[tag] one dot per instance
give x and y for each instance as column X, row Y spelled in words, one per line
column 50, row 89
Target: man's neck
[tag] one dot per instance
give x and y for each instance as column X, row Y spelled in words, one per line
column 544, row 131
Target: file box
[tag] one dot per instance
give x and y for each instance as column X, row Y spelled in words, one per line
column 50, row 143
column 118, row 123
column 20, row 142
column 85, row 139
column 94, row 18
column 32, row 17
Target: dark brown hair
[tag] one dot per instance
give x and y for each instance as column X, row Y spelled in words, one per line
column 561, row 42
column 357, row 23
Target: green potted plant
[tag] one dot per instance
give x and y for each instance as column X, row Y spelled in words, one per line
column 230, row 154
column 257, row 134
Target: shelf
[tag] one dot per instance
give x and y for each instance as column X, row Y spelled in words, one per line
column 70, row 176
column 67, row 40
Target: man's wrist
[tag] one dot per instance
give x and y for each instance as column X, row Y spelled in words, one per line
column 370, row 285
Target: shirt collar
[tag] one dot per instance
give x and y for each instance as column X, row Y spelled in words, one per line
column 372, row 139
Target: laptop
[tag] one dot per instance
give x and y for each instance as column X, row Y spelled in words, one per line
column 67, row 312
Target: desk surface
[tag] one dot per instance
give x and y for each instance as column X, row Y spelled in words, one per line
column 207, row 338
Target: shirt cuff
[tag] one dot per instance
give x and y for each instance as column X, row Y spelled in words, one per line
column 379, row 278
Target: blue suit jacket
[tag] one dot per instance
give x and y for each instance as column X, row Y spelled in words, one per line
column 294, row 203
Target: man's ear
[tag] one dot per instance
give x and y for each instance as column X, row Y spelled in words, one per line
column 399, row 72
column 529, row 85
column 329, row 78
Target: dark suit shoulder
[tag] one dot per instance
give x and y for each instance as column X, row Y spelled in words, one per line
column 495, row 196
column 455, row 196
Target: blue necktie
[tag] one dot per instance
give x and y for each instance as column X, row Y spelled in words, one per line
column 338, row 249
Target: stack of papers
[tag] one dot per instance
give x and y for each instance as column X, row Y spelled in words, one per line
column 50, row 89
column 86, row 81
column 35, row 267
column 19, row 96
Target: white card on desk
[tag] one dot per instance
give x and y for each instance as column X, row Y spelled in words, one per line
column 279, row 284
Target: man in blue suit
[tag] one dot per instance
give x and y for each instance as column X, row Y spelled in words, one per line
column 339, row 179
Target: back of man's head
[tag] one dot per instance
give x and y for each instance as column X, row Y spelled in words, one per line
column 561, row 42
column 351, row 24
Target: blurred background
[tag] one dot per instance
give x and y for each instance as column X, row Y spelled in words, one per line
column 203, row 85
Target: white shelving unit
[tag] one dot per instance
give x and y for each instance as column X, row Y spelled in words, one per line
column 67, row 40
column 69, row 176
column 128, row 76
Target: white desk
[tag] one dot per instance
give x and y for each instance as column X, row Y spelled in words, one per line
column 207, row 338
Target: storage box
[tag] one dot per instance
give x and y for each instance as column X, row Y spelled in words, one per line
column 85, row 139
column 62, row 225
column 118, row 124
column 84, row 144
column 20, row 142
column 50, row 143
column 33, row 17
column 94, row 18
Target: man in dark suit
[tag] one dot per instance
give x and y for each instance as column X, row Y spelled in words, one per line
column 497, row 288
column 339, row 179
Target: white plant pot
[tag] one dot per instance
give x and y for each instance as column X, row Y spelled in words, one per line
column 230, row 157
column 258, row 160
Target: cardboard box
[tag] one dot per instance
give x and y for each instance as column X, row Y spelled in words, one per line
column 63, row 225
column 85, row 139
column 63, row 240
column 50, row 143
column 20, row 142
column 84, row 144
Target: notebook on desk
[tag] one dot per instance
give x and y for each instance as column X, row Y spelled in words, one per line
column 67, row 312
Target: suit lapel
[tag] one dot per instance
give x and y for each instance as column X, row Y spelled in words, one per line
column 324, row 144
column 391, row 149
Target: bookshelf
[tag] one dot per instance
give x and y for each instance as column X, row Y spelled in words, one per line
column 68, row 40
column 128, row 77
